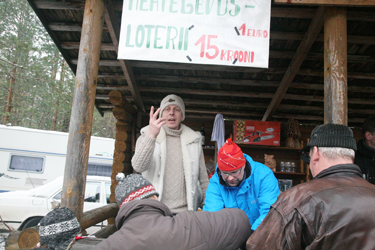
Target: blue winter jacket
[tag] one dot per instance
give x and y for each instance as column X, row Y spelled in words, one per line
column 254, row 195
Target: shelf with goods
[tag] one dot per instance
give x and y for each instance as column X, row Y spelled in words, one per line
column 281, row 154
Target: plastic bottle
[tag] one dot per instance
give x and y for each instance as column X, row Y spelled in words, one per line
column 203, row 133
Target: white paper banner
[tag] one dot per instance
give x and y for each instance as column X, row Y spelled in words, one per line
column 219, row 32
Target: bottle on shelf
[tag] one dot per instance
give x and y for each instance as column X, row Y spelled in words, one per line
column 203, row 133
column 288, row 166
column 282, row 167
column 293, row 167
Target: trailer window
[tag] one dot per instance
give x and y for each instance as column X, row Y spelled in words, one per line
column 99, row 170
column 26, row 163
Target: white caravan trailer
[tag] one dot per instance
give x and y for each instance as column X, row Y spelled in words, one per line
column 30, row 157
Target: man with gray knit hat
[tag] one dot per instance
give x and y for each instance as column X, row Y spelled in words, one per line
column 335, row 210
column 170, row 155
column 143, row 222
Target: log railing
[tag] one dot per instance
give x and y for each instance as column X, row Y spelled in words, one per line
column 97, row 215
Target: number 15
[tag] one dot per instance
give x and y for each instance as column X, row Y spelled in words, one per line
column 202, row 41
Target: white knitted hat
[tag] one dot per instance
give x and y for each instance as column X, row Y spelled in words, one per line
column 172, row 100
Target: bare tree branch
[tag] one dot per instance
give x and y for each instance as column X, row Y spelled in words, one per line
column 22, row 67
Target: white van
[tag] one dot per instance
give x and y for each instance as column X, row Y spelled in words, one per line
column 24, row 209
column 30, row 157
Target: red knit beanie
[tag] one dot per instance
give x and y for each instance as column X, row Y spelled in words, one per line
column 230, row 157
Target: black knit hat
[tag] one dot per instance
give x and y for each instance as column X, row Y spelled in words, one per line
column 59, row 228
column 133, row 187
column 331, row 135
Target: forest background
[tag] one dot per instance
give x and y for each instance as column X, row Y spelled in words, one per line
column 36, row 85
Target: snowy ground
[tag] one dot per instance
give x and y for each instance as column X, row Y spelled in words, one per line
column 4, row 232
column 2, row 240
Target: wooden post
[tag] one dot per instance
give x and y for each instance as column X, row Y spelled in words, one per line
column 83, row 108
column 335, row 66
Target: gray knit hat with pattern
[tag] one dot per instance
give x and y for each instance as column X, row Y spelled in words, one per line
column 331, row 135
column 59, row 228
column 172, row 100
column 133, row 187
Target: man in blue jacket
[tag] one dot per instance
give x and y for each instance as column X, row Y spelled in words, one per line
column 240, row 182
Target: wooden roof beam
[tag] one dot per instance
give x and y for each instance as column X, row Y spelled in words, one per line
column 226, row 93
column 113, row 87
column 249, row 95
column 274, row 35
column 114, row 76
column 274, row 70
column 156, row 101
column 245, row 82
column 114, row 31
column 300, row 55
column 75, row 45
column 199, row 102
column 60, row 5
column 351, row 75
column 207, row 80
column 351, row 3
column 297, row 36
column 286, row 108
column 277, row 11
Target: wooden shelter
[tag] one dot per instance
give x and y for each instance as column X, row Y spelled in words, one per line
column 321, row 69
column 292, row 86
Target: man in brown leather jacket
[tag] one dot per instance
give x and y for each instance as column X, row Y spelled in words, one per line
column 143, row 222
column 335, row 210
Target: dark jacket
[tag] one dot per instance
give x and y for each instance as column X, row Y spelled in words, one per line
column 335, row 210
column 149, row 224
column 365, row 159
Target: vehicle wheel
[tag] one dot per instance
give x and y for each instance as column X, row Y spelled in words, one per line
column 31, row 223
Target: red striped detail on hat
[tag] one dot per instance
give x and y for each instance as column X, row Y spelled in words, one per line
column 137, row 195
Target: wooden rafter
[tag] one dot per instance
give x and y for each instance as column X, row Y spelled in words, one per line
column 75, row 45
column 114, row 31
column 220, row 94
column 300, row 55
column 277, row 11
column 355, row 3
column 288, row 110
column 113, row 87
column 272, row 54
column 272, row 70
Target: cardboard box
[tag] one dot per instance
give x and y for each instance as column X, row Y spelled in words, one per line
column 256, row 132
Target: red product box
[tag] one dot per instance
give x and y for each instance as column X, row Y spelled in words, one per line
column 256, row 132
